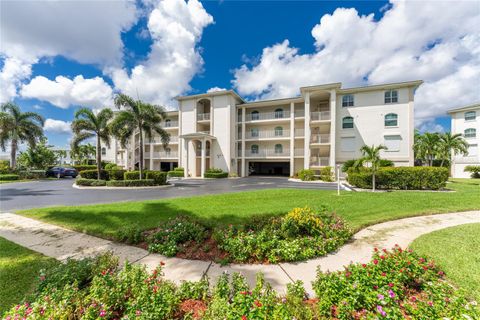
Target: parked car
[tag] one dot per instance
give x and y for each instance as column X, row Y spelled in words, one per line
column 61, row 172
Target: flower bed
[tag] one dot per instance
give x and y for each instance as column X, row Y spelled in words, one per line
column 400, row 285
column 301, row 234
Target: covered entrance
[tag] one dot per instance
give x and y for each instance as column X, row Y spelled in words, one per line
column 269, row 168
column 197, row 153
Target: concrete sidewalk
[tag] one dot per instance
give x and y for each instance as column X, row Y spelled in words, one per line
column 60, row 243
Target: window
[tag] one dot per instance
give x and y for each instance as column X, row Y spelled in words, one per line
column 470, row 115
column 347, row 123
column 391, row 120
column 278, row 148
column 278, row 113
column 167, row 151
column 104, row 151
column 168, row 123
column 255, row 115
column 254, row 149
column 473, row 150
column 278, row 131
column 347, row 100
column 470, row 133
column 393, row 143
column 254, row 132
column 347, row 144
column 391, row 96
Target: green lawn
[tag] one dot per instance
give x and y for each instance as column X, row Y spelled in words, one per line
column 358, row 208
column 19, row 271
column 456, row 251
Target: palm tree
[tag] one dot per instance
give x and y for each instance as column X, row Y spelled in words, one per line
column 87, row 125
column 136, row 116
column 451, row 143
column 371, row 155
column 426, row 146
column 17, row 127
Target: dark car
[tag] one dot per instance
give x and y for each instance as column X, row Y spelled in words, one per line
column 61, row 172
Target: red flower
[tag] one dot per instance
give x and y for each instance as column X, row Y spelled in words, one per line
column 257, row 303
column 375, row 261
column 244, row 317
column 413, row 299
column 375, row 287
column 382, row 257
column 364, row 265
column 375, row 249
column 440, row 273
column 390, row 285
column 162, row 263
column 384, row 274
column 384, row 250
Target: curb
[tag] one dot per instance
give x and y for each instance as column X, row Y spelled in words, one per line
column 120, row 188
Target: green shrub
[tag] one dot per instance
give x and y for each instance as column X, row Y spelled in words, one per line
column 350, row 163
column 82, row 167
column 90, row 182
column 116, row 183
column 131, row 233
column 176, row 173
column 403, row 178
column 134, row 175
column 386, row 163
column 215, row 173
column 8, row 177
column 111, row 166
column 326, row 174
column 139, row 183
column 160, row 178
column 5, row 167
column 116, row 174
column 92, row 174
column 306, row 175
column 475, row 171
column 178, row 169
column 32, row 174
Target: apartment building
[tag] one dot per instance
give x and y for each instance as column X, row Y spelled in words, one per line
column 465, row 120
column 325, row 125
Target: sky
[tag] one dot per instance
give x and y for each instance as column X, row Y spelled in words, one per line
column 57, row 56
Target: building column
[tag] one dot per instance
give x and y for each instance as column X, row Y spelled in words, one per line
column 306, row 163
column 151, row 156
column 333, row 122
column 203, row 160
column 292, row 139
column 242, row 149
column 185, row 144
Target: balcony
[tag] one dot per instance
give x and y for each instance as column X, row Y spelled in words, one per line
column 170, row 124
column 320, row 116
column 173, row 140
column 267, row 116
column 267, row 153
column 161, row 155
column 320, row 138
column 203, row 117
column 317, row 161
column 267, row 134
column 299, row 113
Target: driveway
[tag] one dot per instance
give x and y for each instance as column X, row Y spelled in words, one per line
column 36, row 194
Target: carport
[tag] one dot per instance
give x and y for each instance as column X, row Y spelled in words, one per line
column 269, row 168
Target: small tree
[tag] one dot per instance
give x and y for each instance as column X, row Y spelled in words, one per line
column 87, row 125
column 426, row 146
column 371, row 155
column 451, row 144
column 38, row 157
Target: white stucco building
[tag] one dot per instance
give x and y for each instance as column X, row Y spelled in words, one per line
column 466, row 121
column 325, row 125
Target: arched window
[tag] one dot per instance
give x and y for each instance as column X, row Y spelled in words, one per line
column 254, row 132
column 278, row 148
column 255, row 115
column 254, row 149
column 104, row 151
column 470, row 133
column 168, row 123
column 470, row 115
column 391, row 120
column 278, row 113
column 347, row 123
column 278, row 131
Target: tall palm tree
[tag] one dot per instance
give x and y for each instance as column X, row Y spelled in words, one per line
column 371, row 155
column 87, row 125
column 449, row 143
column 136, row 116
column 17, row 127
column 426, row 146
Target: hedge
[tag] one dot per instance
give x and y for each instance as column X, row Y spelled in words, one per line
column 139, row 183
column 32, row 174
column 116, row 174
column 349, row 164
column 92, row 174
column 306, row 175
column 403, row 178
column 134, row 175
column 216, row 175
column 83, row 167
column 176, row 173
column 475, row 171
column 326, row 174
column 8, row 177
column 90, row 182
column 160, row 178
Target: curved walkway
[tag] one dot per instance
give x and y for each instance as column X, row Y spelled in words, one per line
column 60, row 243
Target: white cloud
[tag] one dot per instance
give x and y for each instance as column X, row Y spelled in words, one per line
column 175, row 27
column 64, row 92
column 412, row 41
column 215, row 89
column 57, row 126
column 13, row 72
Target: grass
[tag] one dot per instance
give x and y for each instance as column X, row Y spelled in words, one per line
column 13, row 181
column 358, row 208
column 456, row 251
column 19, row 270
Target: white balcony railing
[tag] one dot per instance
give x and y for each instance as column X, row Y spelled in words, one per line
column 299, row 132
column 203, row 116
column 198, row 153
column 170, row 124
column 267, row 153
column 267, row 116
column 299, row 152
column 161, row 155
column 320, row 138
column 320, row 115
column 316, row 161
column 299, row 113
column 267, row 134
column 159, row 141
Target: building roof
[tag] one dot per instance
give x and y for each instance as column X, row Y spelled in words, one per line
column 260, row 103
column 384, row 86
column 465, row 108
column 211, row 94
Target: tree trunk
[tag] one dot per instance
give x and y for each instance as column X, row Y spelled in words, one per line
column 373, row 181
column 99, row 158
column 140, row 165
column 13, row 154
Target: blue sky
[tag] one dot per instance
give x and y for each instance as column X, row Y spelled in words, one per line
column 252, row 47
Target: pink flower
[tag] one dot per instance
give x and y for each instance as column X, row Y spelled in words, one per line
column 375, row 261
column 103, row 313
column 380, row 297
column 390, row 285
column 430, row 303
column 413, row 299
column 381, row 311
column 138, row 312
column 391, row 293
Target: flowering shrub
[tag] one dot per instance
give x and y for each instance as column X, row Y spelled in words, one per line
column 300, row 235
